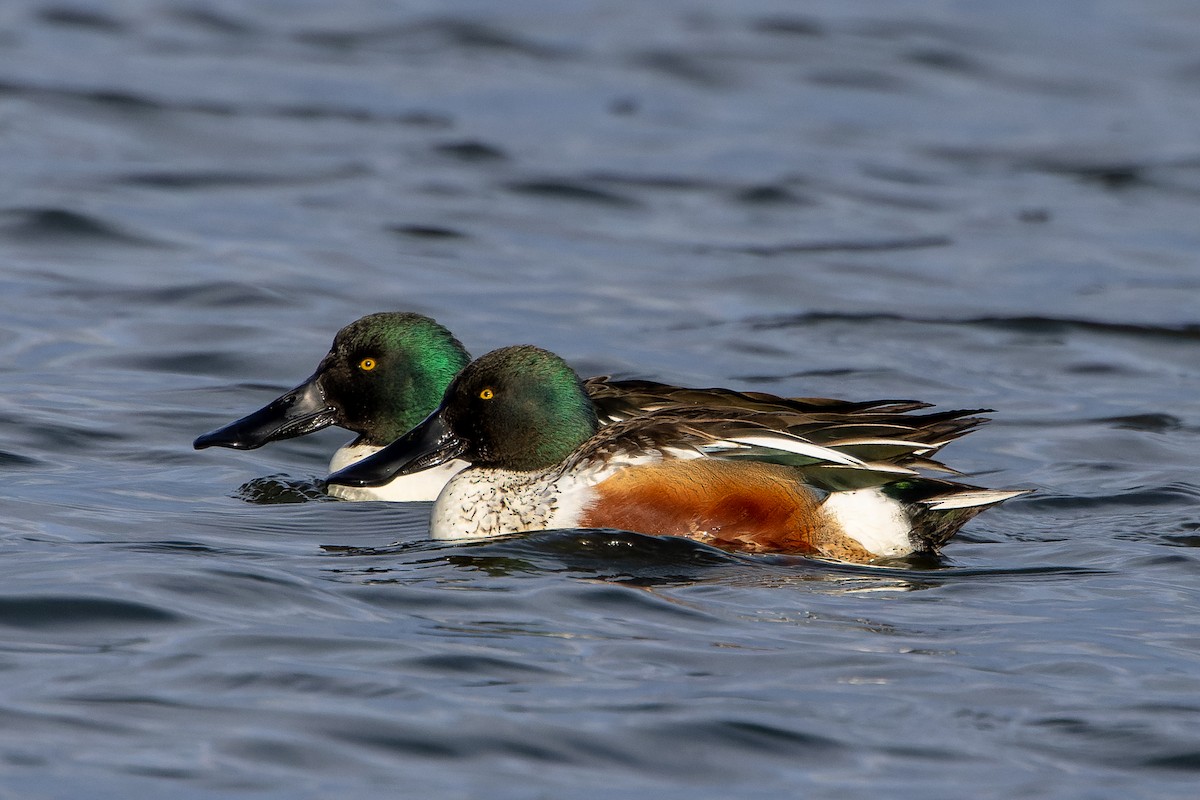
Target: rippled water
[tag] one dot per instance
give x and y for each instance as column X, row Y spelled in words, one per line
column 975, row 204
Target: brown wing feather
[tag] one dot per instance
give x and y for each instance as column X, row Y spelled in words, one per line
column 654, row 419
column 620, row 399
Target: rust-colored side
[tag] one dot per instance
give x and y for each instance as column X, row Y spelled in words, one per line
column 737, row 505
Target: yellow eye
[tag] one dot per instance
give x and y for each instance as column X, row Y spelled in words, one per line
column 367, row 364
column 486, row 394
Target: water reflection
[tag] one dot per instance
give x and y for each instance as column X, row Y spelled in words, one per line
column 649, row 562
column 276, row 489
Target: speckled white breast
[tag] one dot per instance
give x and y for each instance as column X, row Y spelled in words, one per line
column 481, row 503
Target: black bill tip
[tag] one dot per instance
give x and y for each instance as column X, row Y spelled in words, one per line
column 298, row 412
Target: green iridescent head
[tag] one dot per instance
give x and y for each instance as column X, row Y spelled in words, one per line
column 520, row 408
column 386, row 372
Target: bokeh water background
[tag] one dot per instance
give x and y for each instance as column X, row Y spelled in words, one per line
column 969, row 203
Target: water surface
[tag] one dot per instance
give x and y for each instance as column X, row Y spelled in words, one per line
column 973, row 204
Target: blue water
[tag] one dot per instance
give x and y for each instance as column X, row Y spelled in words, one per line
column 974, row 204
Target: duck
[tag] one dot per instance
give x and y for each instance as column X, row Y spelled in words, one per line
column 383, row 374
column 386, row 372
column 739, row 477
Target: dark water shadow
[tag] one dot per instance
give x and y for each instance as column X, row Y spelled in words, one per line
column 50, row 225
column 218, row 179
column 80, row 17
column 143, row 107
column 833, row 246
column 60, row 611
column 1020, row 324
column 433, row 34
column 559, row 189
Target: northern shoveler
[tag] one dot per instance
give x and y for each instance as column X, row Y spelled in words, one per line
column 386, row 372
column 737, row 476
column 383, row 374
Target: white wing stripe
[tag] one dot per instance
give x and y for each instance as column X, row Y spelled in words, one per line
column 793, row 445
column 969, row 499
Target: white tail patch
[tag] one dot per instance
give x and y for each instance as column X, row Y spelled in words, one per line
column 872, row 519
column 983, row 497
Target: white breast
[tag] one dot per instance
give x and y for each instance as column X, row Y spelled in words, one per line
column 425, row 485
column 481, row 503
